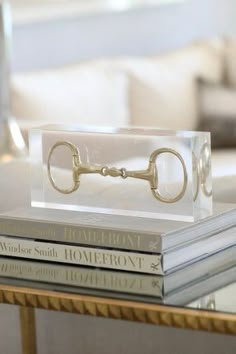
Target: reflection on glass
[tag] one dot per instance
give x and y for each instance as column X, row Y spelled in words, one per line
column 206, row 302
column 209, row 284
column 202, row 172
column 223, row 299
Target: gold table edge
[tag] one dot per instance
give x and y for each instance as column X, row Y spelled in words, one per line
column 163, row 315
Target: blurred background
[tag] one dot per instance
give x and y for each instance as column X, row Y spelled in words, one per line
column 157, row 63
column 150, row 62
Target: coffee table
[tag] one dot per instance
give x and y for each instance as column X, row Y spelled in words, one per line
column 214, row 312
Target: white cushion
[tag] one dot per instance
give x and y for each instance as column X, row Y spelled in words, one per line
column 162, row 88
column 201, row 59
column 160, row 94
column 76, row 94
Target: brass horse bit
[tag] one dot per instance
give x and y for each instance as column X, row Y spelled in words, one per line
column 150, row 174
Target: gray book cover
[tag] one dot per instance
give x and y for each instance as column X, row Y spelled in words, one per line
column 117, row 281
column 114, row 231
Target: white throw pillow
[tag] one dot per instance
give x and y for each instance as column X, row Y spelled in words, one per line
column 79, row 94
column 162, row 95
column 163, row 92
column 201, row 59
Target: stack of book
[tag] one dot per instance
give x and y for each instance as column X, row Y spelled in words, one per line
column 119, row 254
column 177, row 288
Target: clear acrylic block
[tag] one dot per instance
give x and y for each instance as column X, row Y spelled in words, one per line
column 140, row 172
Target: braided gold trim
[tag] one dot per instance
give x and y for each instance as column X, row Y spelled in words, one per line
column 120, row 309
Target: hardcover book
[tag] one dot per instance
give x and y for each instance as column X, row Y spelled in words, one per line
column 179, row 288
column 114, row 231
column 126, row 282
column 150, row 263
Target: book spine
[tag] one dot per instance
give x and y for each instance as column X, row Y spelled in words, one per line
column 131, row 283
column 86, row 256
column 82, row 235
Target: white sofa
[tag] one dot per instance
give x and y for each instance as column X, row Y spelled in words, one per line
column 158, row 91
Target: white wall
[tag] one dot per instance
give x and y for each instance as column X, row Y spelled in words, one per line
column 136, row 32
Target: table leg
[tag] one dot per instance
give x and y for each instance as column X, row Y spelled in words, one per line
column 28, row 330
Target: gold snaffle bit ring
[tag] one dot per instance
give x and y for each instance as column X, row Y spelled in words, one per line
column 150, row 174
column 75, row 163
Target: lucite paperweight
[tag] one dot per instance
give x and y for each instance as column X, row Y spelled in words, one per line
column 140, row 172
